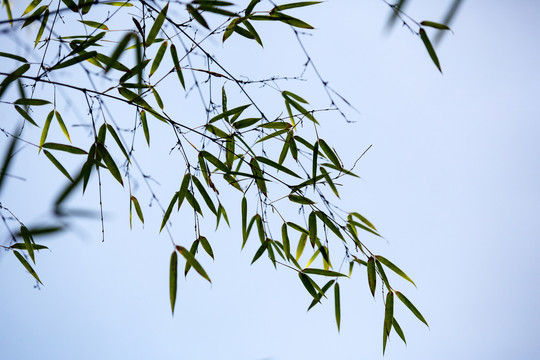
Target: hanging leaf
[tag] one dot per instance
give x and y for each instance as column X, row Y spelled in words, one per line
column 206, row 246
column 159, row 57
column 301, row 246
column 168, row 211
column 435, row 25
column 137, row 208
column 177, row 66
column 372, row 276
column 323, row 272
column 57, row 164
column 394, row 268
column 173, row 279
column 156, row 27
column 411, row 307
column 430, row 49
column 45, row 130
column 396, row 327
column 193, row 262
column 389, row 312
column 27, row 266
column 109, row 162
column 337, row 305
column 197, row 16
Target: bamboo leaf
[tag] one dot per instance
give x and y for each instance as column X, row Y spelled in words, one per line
column 183, row 189
column 197, row 16
column 295, row 5
column 260, row 251
column 394, row 268
column 193, row 251
column 396, row 327
column 306, row 281
column 168, row 211
column 286, row 242
column 173, row 279
column 45, row 130
column 257, row 172
column 206, row 246
column 430, row 49
column 204, row 194
column 13, row 56
column 31, row 102
column 28, row 242
column 156, row 27
column 57, row 164
column 193, row 262
column 389, row 312
column 322, row 272
column 330, row 154
column 158, row 58
column 244, row 221
column 372, row 276
column 321, row 294
column 27, row 266
column 314, row 163
column 109, row 162
column 144, row 123
column 312, row 227
column 137, row 208
column 94, row 24
column 435, row 25
column 118, row 141
column 301, row 246
column 411, row 307
column 62, row 125
column 177, row 66
column 337, row 305
column 67, row 148
column 42, row 27
column 277, row 166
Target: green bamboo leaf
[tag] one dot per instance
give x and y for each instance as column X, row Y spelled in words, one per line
column 287, row 19
column 411, row 307
column 158, row 98
column 330, row 224
column 42, row 27
column 57, row 164
column 372, row 275
column 307, row 282
column 117, row 3
column 15, row 75
column 230, row 112
column 94, row 24
column 229, row 154
column 117, row 140
column 109, row 162
column 394, row 268
column 312, row 227
column 159, row 57
column 396, row 327
column 244, row 221
column 193, row 251
column 168, row 211
column 330, row 154
column 221, row 211
column 430, row 49
column 337, row 305
column 321, row 294
column 322, row 272
column 22, row 246
column 13, row 56
column 314, row 162
column 435, row 25
column 277, row 166
column 35, row 15
column 384, row 340
column 329, row 180
column 183, row 189
column 389, row 312
column 298, row 228
column 260, row 251
column 156, row 27
column 286, row 242
column 193, row 202
column 382, row 273
column 260, row 228
column 197, row 16
column 352, row 222
column 137, row 208
column 253, row 32
column 214, row 161
column 31, row 6
column 341, row 170
column 31, row 102
column 301, row 246
column 135, row 98
column 206, row 246
column 177, row 66
column 27, row 265
column 246, row 123
column 45, row 130
column 62, row 125
column 204, row 194
column 28, row 242
column 25, row 115
column 364, row 220
column 193, row 262
column 272, row 135
column 144, row 123
column 173, row 279
column 257, row 172
column 294, row 5
column 216, row 131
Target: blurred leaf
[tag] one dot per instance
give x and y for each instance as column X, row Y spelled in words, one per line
column 430, row 49
column 12, row 77
column 173, row 279
column 435, row 25
column 7, row 160
column 27, row 265
column 94, row 24
column 31, row 6
column 193, row 262
column 197, row 16
column 411, row 307
column 22, row 246
column 35, row 15
column 119, row 50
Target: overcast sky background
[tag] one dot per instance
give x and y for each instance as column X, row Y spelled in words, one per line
column 451, row 182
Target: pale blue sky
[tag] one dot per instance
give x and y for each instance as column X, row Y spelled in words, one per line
column 451, row 182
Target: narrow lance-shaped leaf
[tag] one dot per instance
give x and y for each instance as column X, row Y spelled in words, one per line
column 192, row 261
column 168, row 211
column 337, row 305
column 286, row 242
column 389, row 312
column 321, row 294
column 45, row 130
column 323, row 272
column 156, row 27
column 109, row 162
column 118, row 141
column 144, row 123
column 312, row 226
column 301, row 245
column 314, row 166
column 244, row 221
column 58, row 165
column 394, row 268
column 173, row 279
column 66, row 148
column 27, row 266
column 435, row 25
column 137, row 208
column 260, row 251
column 372, row 275
column 308, row 285
column 206, row 246
column 158, row 58
column 42, row 27
column 396, row 327
column 193, row 251
column 411, row 307
column 62, row 124
column 197, row 16
column 430, row 49
column 28, row 241
column 183, row 189
column 177, row 66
